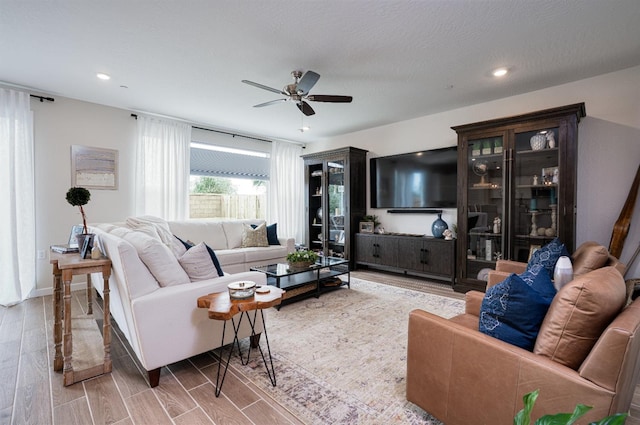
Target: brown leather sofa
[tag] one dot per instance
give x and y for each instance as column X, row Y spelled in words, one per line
column 586, row 352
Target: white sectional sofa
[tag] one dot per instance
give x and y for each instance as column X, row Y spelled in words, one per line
column 152, row 303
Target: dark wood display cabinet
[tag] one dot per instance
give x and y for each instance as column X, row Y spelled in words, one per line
column 419, row 255
column 516, row 188
column 335, row 200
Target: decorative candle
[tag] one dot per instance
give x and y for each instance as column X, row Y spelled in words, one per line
column 534, row 205
column 552, row 197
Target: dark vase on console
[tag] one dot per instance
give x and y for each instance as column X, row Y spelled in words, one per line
column 438, row 227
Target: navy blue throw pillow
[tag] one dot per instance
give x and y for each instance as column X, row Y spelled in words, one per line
column 272, row 233
column 513, row 310
column 212, row 254
column 547, row 256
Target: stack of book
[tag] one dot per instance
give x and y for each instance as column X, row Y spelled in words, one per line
column 64, row 248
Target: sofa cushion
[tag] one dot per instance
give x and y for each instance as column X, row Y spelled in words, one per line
column 254, row 236
column 231, row 256
column 579, row 313
column 158, row 228
column 588, row 257
column 272, row 233
column 158, row 258
column 513, row 310
column 269, row 254
column 198, row 264
column 211, row 233
column 547, row 256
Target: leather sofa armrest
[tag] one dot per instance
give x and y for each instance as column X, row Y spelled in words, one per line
column 510, row 266
column 447, row 363
column 473, row 302
column 496, row 277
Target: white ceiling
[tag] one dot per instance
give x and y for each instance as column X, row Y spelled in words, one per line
column 399, row 59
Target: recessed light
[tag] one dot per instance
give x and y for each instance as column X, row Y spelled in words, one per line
column 103, row 76
column 500, row 72
column 305, row 128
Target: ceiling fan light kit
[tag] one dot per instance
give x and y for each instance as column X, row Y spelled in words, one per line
column 298, row 92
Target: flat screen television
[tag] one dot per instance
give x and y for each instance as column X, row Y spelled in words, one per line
column 426, row 179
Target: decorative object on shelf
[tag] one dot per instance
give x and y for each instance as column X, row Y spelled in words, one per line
column 438, row 227
column 481, row 168
column 483, row 274
column 535, row 180
column 317, row 173
column 551, row 175
column 379, row 230
column 563, row 272
column 541, row 231
column 551, row 139
column 486, row 147
column 475, row 149
column 319, row 214
column 497, row 146
column 448, row 235
column 372, row 218
column 366, row 227
column 533, row 204
column 538, row 141
column 497, row 224
column 488, row 249
column 241, row 290
column 554, row 216
column 302, row 259
column 534, row 227
column 549, row 232
column 556, row 176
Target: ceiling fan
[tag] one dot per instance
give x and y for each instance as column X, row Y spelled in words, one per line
column 298, row 92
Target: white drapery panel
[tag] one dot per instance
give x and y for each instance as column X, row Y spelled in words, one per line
column 286, row 190
column 162, row 168
column 17, row 190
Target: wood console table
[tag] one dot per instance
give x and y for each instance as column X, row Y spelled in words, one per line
column 65, row 266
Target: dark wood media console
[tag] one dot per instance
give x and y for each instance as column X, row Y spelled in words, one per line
column 419, row 255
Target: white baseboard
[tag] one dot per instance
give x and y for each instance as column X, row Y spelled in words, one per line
column 76, row 286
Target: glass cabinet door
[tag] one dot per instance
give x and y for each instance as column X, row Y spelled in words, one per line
column 336, row 208
column 536, row 177
column 485, row 203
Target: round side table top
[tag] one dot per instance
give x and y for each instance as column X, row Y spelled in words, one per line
column 222, row 307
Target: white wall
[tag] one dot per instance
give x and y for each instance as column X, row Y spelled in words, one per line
column 608, row 150
column 58, row 125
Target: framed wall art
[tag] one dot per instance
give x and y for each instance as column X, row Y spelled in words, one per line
column 94, row 168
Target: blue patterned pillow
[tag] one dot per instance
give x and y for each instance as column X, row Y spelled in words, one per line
column 513, row 310
column 546, row 257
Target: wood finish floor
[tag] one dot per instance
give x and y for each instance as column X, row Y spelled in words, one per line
column 31, row 393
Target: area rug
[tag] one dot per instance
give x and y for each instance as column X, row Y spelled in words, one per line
column 341, row 358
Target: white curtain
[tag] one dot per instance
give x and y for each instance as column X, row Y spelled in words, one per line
column 17, row 190
column 286, row 190
column 162, row 168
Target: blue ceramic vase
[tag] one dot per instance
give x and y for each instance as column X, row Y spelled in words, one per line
column 438, row 227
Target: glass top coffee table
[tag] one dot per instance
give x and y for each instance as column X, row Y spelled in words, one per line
column 313, row 281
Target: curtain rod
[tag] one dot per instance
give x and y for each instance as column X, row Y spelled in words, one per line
column 223, row 132
column 43, row 98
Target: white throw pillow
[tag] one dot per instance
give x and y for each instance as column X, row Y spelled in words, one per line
column 198, row 263
column 158, row 258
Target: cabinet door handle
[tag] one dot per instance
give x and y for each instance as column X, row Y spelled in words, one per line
column 421, row 255
column 426, row 256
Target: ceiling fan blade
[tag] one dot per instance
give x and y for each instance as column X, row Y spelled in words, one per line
column 329, row 98
column 308, row 80
column 271, row 102
column 263, row 87
column 305, row 108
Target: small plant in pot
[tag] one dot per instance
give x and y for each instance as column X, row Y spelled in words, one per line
column 302, row 259
column 78, row 197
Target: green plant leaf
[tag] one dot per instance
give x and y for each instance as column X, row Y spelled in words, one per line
column 523, row 417
column 564, row 418
column 617, row 419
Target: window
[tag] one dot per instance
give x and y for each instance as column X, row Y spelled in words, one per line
column 228, row 182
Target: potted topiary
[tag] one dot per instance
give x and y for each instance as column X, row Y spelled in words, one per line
column 79, row 196
column 302, row 259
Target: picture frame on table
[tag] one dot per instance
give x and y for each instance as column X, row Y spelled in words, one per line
column 532, row 250
column 75, row 230
column 366, row 227
column 85, row 250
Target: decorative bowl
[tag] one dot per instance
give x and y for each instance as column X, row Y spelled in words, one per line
column 538, row 142
column 241, row 290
